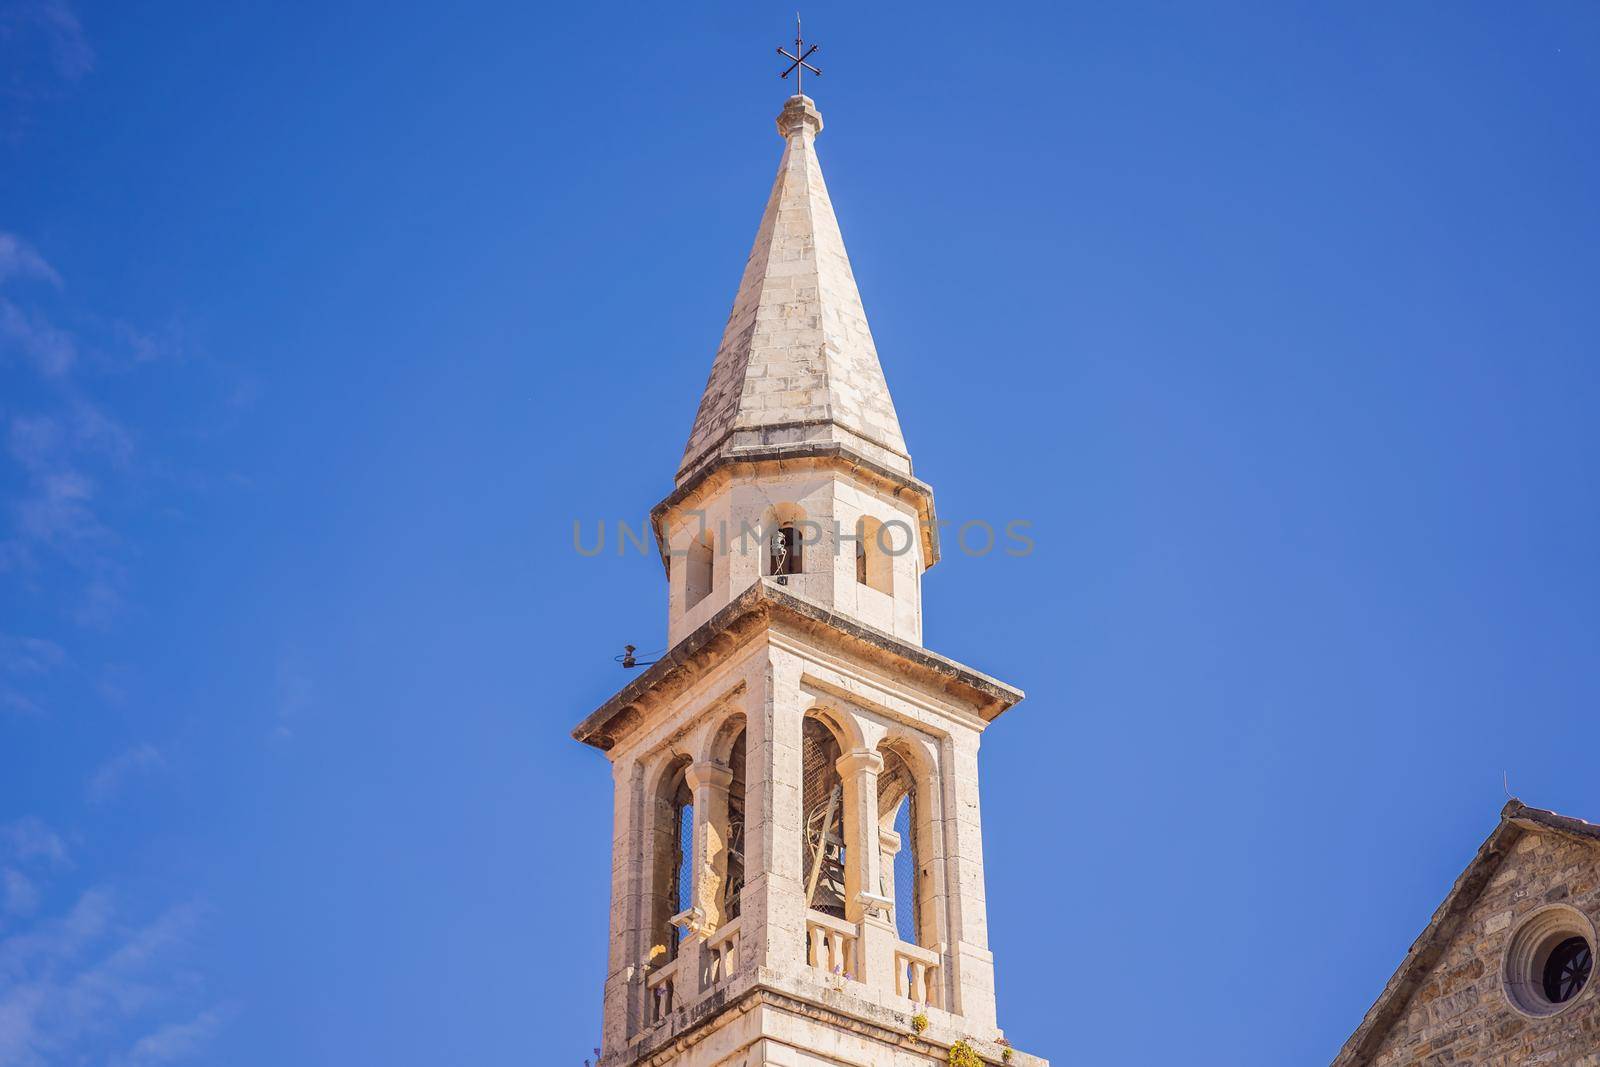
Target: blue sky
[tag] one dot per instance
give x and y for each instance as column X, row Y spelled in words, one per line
column 321, row 324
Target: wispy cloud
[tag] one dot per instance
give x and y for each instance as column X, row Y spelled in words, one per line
column 19, row 259
column 54, row 24
column 29, row 839
column 64, row 450
column 29, row 852
column 75, row 984
column 25, row 661
column 18, row 702
column 294, row 696
column 19, row 895
column 170, row 342
column 29, row 655
column 43, row 50
column 67, row 981
column 108, row 780
column 176, row 1042
column 31, row 336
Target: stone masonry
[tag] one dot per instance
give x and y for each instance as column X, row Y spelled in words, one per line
column 797, row 361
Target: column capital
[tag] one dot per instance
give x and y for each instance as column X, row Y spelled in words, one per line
column 859, row 761
column 706, row 773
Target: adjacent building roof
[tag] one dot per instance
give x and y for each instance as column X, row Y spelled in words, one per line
column 797, row 364
column 1516, row 819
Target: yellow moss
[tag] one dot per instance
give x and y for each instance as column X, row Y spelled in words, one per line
column 961, row 1055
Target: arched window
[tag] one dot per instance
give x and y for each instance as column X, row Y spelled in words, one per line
column 697, row 569
column 904, row 880
column 874, row 564
column 672, row 874
column 733, row 879
column 822, row 836
column 682, row 849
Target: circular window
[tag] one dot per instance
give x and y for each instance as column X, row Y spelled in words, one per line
column 1549, row 960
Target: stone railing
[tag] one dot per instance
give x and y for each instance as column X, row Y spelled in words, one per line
column 831, row 945
column 659, row 990
column 916, row 974
column 720, row 956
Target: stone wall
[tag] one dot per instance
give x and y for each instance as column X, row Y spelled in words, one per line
column 1461, row 1014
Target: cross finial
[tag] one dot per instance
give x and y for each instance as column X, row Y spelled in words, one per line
column 797, row 60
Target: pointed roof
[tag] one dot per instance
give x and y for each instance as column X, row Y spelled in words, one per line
column 797, row 365
column 1516, row 819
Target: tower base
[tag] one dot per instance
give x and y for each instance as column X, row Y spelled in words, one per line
column 772, row 1018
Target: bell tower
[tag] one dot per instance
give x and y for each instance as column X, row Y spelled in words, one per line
column 797, row 859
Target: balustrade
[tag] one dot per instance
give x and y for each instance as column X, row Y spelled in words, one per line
column 720, row 956
column 659, row 990
column 831, row 945
column 916, row 974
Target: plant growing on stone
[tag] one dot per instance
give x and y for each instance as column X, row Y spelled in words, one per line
column 962, row 1055
column 919, row 1023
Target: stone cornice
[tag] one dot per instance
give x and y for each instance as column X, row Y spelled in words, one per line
column 781, row 459
column 759, row 608
column 768, row 989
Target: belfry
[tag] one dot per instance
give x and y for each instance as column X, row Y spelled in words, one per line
column 797, row 859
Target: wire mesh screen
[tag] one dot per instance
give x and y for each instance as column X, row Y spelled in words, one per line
column 733, row 885
column 905, row 875
column 683, row 890
column 822, row 842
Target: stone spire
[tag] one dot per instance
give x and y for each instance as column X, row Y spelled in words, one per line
column 797, row 366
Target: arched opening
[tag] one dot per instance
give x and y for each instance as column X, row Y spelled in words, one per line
column 822, row 823
column 672, row 874
column 697, row 569
column 903, row 838
column 874, row 563
column 786, row 542
column 733, row 878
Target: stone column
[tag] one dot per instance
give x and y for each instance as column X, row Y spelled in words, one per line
column 624, row 989
column 888, row 848
column 864, row 903
column 710, row 782
column 773, row 905
column 972, row 964
column 859, row 770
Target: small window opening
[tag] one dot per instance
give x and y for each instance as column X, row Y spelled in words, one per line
column 785, row 552
column 874, row 564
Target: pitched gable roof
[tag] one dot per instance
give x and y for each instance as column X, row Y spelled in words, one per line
column 1516, row 819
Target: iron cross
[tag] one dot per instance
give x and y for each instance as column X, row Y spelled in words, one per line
column 798, row 59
